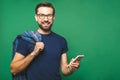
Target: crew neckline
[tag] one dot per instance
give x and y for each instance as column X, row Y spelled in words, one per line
column 45, row 34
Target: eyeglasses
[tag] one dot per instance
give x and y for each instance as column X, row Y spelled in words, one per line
column 42, row 16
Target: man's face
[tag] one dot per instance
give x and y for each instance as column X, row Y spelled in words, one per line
column 45, row 18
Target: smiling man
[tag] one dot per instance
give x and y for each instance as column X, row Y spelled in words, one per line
column 39, row 55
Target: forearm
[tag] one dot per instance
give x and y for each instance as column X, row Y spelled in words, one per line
column 20, row 65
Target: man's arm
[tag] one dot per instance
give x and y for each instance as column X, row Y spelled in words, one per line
column 66, row 70
column 20, row 62
column 64, row 64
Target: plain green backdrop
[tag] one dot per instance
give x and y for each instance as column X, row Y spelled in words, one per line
column 91, row 27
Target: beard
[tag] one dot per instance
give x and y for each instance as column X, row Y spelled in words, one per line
column 43, row 27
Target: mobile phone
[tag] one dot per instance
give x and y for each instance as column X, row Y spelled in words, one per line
column 77, row 58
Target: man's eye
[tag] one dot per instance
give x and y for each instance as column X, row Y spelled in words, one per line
column 42, row 15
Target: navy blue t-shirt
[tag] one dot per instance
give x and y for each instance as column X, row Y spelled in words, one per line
column 46, row 65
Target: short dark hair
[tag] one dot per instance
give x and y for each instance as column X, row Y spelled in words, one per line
column 45, row 4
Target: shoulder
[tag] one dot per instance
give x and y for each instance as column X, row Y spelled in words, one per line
column 19, row 40
column 58, row 36
column 22, row 38
column 26, row 36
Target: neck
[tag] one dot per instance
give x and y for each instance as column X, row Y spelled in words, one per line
column 43, row 32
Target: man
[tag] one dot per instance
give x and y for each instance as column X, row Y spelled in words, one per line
column 42, row 60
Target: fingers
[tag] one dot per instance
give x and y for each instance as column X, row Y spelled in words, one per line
column 39, row 46
column 72, row 69
column 74, row 65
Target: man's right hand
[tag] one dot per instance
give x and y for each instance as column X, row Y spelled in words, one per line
column 39, row 46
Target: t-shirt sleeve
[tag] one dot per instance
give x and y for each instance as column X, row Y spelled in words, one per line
column 21, row 47
column 65, row 46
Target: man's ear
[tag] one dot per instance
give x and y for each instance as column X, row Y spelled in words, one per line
column 53, row 17
column 36, row 18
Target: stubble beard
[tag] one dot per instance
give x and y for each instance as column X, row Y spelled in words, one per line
column 45, row 30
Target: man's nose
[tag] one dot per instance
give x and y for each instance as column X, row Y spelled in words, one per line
column 45, row 18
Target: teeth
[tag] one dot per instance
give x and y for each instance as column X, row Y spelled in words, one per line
column 45, row 23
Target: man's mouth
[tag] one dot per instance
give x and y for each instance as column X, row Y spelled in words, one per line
column 46, row 23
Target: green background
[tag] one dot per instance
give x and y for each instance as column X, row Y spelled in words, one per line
column 91, row 27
